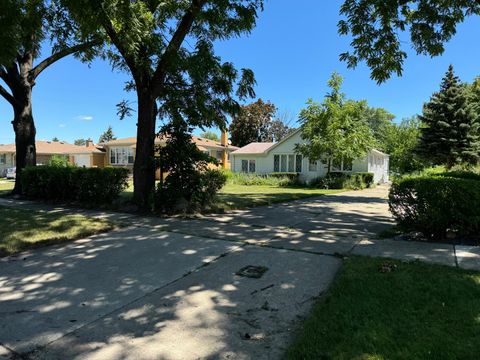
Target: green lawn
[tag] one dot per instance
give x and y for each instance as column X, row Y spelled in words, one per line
column 242, row 196
column 234, row 196
column 23, row 229
column 416, row 311
column 6, row 186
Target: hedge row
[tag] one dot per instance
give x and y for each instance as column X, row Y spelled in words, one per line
column 85, row 185
column 435, row 205
column 339, row 180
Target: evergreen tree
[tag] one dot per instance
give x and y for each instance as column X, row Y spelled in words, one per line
column 107, row 136
column 449, row 132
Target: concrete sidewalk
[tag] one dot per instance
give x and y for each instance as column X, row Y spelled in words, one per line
column 226, row 286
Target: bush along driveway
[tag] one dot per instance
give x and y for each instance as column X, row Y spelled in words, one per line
column 157, row 298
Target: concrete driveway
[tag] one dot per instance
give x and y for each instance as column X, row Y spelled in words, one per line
column 230, row 286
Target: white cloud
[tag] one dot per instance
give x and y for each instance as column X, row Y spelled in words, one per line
column 84, row 117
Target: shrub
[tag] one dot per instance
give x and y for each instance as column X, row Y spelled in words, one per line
column 188, row 194
column 273, row 179
column 59, row 161
column 85, row 185
column 339, row 180
column 436, row 204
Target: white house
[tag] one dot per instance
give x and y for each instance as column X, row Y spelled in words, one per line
column 266, row 158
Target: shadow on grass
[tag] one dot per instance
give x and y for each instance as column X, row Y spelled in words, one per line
column 25, row 229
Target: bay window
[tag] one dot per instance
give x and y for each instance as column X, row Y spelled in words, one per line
column 121, row 156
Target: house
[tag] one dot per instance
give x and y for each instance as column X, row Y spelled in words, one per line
column 89, row 155
column 266, row 158
column 121, row 152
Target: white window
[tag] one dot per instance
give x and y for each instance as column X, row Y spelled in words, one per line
column 248, row 166
column 312, row 165
column 276, row 163
column 3, row 159
column 287, row 163
column 121, row 156
column 298, row 165
column 283, row 163
column 245, row 166
column 347, row 165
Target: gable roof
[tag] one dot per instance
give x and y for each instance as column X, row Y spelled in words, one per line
column 257, row 148
column 55, row 148
column 254, row 148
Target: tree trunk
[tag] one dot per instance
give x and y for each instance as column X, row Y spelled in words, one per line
column 25, row 132
column 144, row 167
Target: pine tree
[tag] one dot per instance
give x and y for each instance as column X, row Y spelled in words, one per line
column 449, row 133
column 107, row 136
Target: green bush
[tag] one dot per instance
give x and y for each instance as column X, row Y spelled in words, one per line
column 435, row 205
column 84, row 185
column 273, row 179
column 59, row 161
column 339, row 180
column 188, row 193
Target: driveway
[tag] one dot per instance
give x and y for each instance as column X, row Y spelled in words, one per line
column 228, row 286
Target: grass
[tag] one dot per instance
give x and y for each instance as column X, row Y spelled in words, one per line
column 6, row 186
column 416, row 311
column 24, row 229
column 234, row 196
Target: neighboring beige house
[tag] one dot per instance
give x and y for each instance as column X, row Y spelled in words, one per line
column 121, row 152
column 89, row 155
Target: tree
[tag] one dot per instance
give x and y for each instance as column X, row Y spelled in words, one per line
column 171, row 80
column 210, row 135
column 80, row 142
column 335, row 129
column 24, row 26
column 258, row 122
column 450, row 127
column 56, row 139
column 379, row 120
column 107, row 136
column 400, row 142
column 252, row 123
column 376, row 27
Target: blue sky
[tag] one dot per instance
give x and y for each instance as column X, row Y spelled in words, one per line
column 292, row 51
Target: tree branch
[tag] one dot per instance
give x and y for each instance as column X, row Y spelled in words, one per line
column 7, row 96
column 61, row 54
column 183, row 29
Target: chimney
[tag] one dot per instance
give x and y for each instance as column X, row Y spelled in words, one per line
column 89, row 143
column 224, row 138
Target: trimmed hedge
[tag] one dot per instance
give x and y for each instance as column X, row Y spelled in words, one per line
column 178, row 194
column 272, row 179
column 85, row 185
column 339, row 180
column 436, row 205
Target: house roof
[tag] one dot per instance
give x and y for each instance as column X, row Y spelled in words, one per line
column 55, row 148
column 201, row 142
column 254, row 148
column 263, row 148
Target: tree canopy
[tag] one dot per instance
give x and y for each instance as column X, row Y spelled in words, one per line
column 335, row 129
column 258, row 122
column 174, row 80
column 210, row 135
column 450, row 125
column 107, row 136
column 377, row 25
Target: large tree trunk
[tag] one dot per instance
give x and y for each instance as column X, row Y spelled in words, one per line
column 144, row 167
column 25, row 131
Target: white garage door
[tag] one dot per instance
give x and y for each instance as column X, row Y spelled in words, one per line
column 82, row 160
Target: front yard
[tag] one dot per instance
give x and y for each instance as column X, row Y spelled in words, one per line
column 381, row 309
column 234, row 196
column 23, row 229
column 6, row 186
